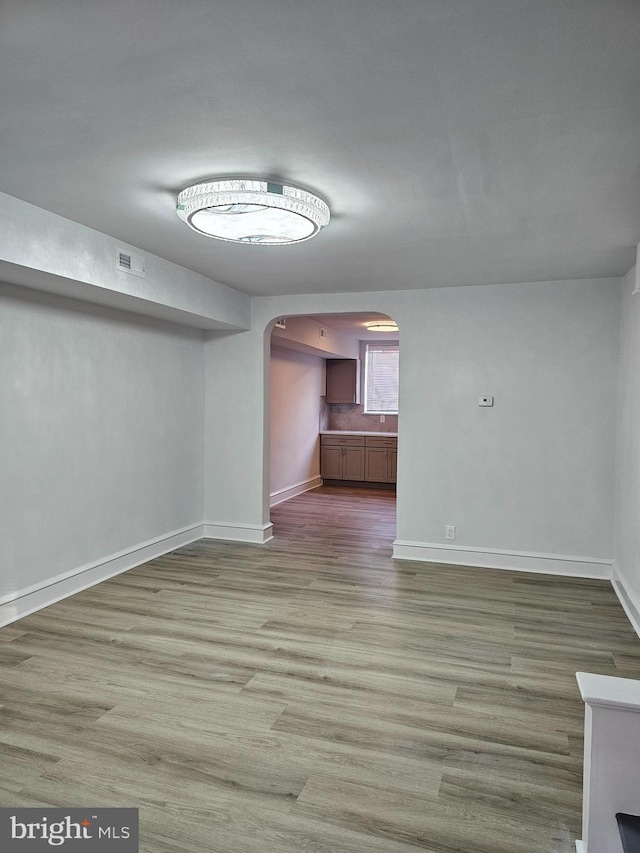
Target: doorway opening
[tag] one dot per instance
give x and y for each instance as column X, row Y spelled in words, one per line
column 334, row 411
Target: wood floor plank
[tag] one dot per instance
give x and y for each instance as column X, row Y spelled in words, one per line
column 447, row 828
column 355, row 690
column 313, row 694
column 433, row 735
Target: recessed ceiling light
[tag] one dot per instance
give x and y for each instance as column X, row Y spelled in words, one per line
column 382, row 326
column 252, row 211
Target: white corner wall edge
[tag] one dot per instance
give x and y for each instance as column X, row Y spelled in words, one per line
column 579, row 847
column 21, row 603
column 257, row 534
column 627, row 597
column 282, row 495
column 516, row 561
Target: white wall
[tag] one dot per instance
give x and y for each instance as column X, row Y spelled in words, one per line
column 535, row 473
column 627, row 526
column 237, row 448
column 525, row 482
column 101, row 437
column 296, row 386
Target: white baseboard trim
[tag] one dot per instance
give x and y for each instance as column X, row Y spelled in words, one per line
column 24, row 601
column 628, row 598
column 495, row 558
column 253, row 533
column 282, row 495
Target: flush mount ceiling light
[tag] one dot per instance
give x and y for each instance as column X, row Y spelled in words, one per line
column 252, row 211
column 382, row 326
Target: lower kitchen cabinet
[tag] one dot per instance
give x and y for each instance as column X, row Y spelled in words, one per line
column 342, row 458
column 331, row 462
column 370, row 459
column 381, row 459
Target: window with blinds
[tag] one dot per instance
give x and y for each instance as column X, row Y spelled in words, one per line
column 381, row 379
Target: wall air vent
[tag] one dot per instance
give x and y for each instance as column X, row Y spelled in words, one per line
column 131, row 264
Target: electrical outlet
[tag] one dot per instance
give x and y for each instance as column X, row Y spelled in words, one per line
column 450, row 531
column 382, row 419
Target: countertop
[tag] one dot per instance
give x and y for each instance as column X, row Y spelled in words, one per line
column 378, row 433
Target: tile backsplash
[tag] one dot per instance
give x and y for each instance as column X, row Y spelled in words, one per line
column 348, row 416
column 324, row 414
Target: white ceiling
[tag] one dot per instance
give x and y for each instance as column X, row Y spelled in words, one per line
column 456, row 141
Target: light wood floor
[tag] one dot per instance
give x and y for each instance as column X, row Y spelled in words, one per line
column 313, row 695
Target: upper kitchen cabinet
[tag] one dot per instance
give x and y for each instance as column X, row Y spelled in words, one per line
column 343, row 380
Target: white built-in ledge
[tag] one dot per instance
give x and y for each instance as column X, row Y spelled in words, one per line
column 611, row 758
column 607, row 690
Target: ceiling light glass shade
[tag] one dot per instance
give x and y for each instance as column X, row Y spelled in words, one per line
column 252, row 211
column 382, row 326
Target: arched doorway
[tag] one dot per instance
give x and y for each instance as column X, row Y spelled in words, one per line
column 341, row 431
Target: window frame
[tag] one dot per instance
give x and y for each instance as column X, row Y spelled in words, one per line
column 365, row 397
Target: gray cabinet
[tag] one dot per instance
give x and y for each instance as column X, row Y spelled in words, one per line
column 331, row 462
column 342, row 457
column 381, row 459
column 370, row 459
column 343, row 380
